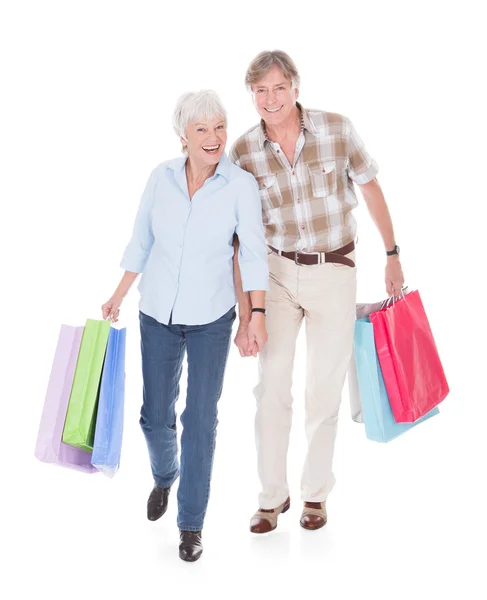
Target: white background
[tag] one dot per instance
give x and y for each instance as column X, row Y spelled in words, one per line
column 88, row 93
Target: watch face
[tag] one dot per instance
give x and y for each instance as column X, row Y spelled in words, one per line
column 397, row 249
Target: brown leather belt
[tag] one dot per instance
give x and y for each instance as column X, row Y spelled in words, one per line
column 318, row 258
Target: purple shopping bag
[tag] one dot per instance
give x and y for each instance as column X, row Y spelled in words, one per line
column 49, row 447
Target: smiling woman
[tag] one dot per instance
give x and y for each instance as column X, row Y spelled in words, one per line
column 197, row 117
column 190, row 211
column 201, row 123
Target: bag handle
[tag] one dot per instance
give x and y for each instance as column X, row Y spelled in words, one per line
column 392, row 299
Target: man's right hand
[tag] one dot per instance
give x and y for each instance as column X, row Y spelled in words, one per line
column 242, row 339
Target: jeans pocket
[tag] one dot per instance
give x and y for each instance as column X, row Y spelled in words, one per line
column 231, row 315
column 146, row 320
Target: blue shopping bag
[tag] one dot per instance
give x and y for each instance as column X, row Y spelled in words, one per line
column 379, row 422
column 109, row 421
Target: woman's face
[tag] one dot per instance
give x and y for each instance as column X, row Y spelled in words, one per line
column 206, row 141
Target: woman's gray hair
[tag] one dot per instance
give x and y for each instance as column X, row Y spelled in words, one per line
column 195, row 107
column 264, row 62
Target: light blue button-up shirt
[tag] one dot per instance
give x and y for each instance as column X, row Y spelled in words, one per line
column 184, row 247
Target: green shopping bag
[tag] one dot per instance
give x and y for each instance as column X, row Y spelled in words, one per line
column 79, row 426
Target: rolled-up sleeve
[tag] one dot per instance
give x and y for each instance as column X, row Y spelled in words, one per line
column 252, row 255
column 138, row 249
column 362, row 168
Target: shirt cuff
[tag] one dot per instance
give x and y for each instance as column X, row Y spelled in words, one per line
column 252, row 282
column 133, row 266
column 367, row 175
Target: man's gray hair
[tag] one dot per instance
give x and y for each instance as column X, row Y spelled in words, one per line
column 264, row 62
column 195, row 107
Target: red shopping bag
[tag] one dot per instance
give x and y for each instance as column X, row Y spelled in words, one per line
column 412, row 370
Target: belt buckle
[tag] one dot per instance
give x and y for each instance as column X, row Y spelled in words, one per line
column 296, row 260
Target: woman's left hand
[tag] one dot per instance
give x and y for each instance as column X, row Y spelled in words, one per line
column 257, row 333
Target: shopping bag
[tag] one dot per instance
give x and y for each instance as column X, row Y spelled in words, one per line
column 49, row 447
column 412, row 370
column 79, row 427
column 378, row 419
column 109, row 421
column 362, row 311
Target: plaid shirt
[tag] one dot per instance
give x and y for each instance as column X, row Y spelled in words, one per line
column 308, row 206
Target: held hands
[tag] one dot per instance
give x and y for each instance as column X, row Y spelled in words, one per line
column 111, row 309
column 257, row 333
column 394, row 277
column 251, row 336
column 242, row 339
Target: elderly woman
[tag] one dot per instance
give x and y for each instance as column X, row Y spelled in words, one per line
column 182, row 243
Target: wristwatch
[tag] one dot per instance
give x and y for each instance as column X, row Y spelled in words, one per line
column 261, row 310
column 392, row 252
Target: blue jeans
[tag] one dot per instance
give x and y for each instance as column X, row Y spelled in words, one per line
column 163, row 348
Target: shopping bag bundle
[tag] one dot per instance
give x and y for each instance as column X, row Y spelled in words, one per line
column 82, row 420
column 396, row 379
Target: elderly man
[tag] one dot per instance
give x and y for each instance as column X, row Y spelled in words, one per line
column 305, row 163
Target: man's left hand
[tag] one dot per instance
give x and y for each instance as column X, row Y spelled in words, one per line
column 257, row 333
column 394, row 276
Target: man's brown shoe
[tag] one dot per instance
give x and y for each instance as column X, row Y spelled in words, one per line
column 265, row 520
column 314, row 515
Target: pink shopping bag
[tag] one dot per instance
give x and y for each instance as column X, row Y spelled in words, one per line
column 411, row 367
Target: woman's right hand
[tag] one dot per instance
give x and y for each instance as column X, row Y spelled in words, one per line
column 242, row 339
column 111, row 309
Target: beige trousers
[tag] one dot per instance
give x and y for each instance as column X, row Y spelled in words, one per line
column 325, row 296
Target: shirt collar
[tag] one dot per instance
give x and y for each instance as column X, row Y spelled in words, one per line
column 177, row 164
column 222, row 169
column 306, row 124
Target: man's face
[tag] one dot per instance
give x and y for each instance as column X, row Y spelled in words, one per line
column 273, row 97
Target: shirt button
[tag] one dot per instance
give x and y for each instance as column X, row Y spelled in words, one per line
column 278, row 151
column 302, row 226
column 299, row 201
column 294, row 173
